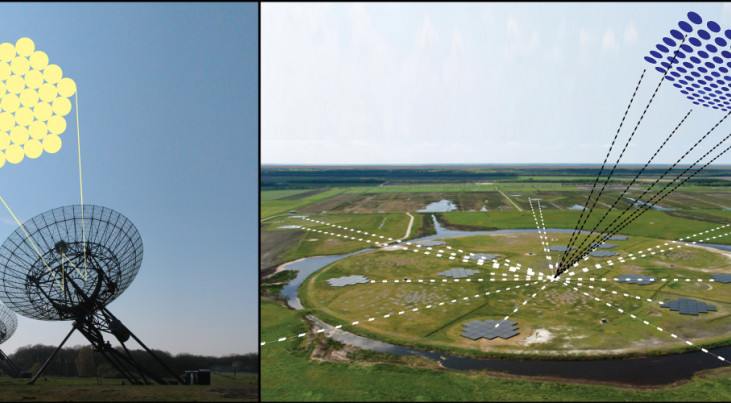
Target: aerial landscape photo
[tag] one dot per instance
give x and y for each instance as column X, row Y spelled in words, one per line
column 509, row 202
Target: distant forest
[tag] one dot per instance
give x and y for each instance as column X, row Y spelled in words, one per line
column 273, row 178
column 84, row 362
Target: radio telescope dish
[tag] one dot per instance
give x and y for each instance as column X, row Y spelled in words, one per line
column 8, row 325
column 53, row 268
column 69, row 263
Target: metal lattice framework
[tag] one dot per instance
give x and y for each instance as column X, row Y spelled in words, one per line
column 52, row 268
column 8, row 323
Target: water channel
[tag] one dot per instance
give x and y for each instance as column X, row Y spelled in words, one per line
column 637, row 371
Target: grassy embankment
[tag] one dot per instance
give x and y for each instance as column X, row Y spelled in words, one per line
column 289, row 374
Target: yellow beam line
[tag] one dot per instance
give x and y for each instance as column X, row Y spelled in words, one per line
column 81, row 187
column 72, row 264
column 31, row 242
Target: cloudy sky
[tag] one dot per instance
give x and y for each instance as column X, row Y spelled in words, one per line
column 472, row 83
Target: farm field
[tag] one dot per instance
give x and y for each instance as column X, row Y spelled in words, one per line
column 590, row 315
column 488, row 198
column 281, row 245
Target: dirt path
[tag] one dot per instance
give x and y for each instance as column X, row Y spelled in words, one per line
column 273, row 216
column 511, row 201
column 710, row 249
column 408, row 229
column 704, row 201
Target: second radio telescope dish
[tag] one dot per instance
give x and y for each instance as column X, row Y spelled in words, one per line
column 8, row 323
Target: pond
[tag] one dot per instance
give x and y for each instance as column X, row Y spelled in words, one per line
column 441, row 206
column 656, row 207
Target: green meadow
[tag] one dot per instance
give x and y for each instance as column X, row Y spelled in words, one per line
column 571, row 318
column 224, row 387
column 288, row 374
column 555, row 319
column 273, row 204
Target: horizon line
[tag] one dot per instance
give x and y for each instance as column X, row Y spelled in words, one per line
column 517, row 164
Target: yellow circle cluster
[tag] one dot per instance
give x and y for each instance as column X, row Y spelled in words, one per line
column 34, row 98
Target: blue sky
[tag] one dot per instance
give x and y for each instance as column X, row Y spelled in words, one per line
column 168, row 119
column 405, row 83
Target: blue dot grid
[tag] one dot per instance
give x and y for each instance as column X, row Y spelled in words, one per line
column 700, row 70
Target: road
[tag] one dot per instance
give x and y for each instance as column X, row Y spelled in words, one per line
column 511, row 202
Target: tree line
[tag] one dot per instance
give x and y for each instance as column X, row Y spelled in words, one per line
column 83, row 361
column 315, row 177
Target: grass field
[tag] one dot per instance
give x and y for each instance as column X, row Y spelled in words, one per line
column 571, row 318
column 468, row 187
column 224, row 387
column 278, row 194
column 655, row 224
column 312, row 243
column 476, row 197
column 288, row 374
column 271, row 207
